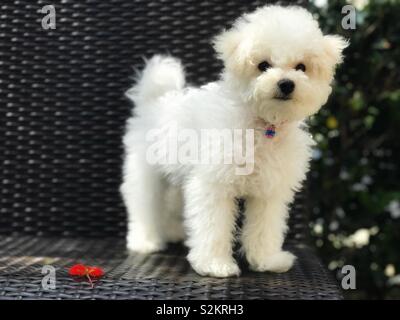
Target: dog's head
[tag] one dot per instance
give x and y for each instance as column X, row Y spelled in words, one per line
column 279, row 61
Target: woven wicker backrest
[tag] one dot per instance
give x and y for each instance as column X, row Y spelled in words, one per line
column 62, row 104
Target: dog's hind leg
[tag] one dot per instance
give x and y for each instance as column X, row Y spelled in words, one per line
column 143, row 193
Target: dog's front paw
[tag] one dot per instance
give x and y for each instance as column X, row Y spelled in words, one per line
column 144, row 246
column 216, row 267
column 278, row 262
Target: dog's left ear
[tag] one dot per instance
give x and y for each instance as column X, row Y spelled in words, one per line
column 333, row 47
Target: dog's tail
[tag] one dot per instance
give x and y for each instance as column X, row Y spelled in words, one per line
column 160, row 75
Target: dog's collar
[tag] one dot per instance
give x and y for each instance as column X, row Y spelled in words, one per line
column 269, row 129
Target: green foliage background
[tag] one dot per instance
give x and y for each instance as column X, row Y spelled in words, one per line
column 355, row 177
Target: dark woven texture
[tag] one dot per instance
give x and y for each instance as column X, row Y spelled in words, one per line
column 62, row 115
column 164, row 275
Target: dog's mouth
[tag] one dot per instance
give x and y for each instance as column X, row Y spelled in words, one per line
column 283, row 98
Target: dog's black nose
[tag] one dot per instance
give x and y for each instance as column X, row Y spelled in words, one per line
column 286, row 86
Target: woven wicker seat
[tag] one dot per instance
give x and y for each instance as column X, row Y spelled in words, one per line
column 63, row 111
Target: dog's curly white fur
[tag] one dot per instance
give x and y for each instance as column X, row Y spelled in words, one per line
column 292, row 48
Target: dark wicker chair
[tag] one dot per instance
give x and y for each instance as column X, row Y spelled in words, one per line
column 62, row 118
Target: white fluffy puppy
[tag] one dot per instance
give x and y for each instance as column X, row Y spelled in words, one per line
column 278, row 68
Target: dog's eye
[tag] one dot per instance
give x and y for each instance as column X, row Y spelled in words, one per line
column 301, row 67
column 263, row 66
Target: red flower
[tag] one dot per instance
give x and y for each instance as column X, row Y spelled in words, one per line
column 78, row 270
column 87, row 272
column 95, row 272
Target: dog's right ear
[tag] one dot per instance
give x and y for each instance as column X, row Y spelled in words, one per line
column 233, row 49
column 226, row 43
